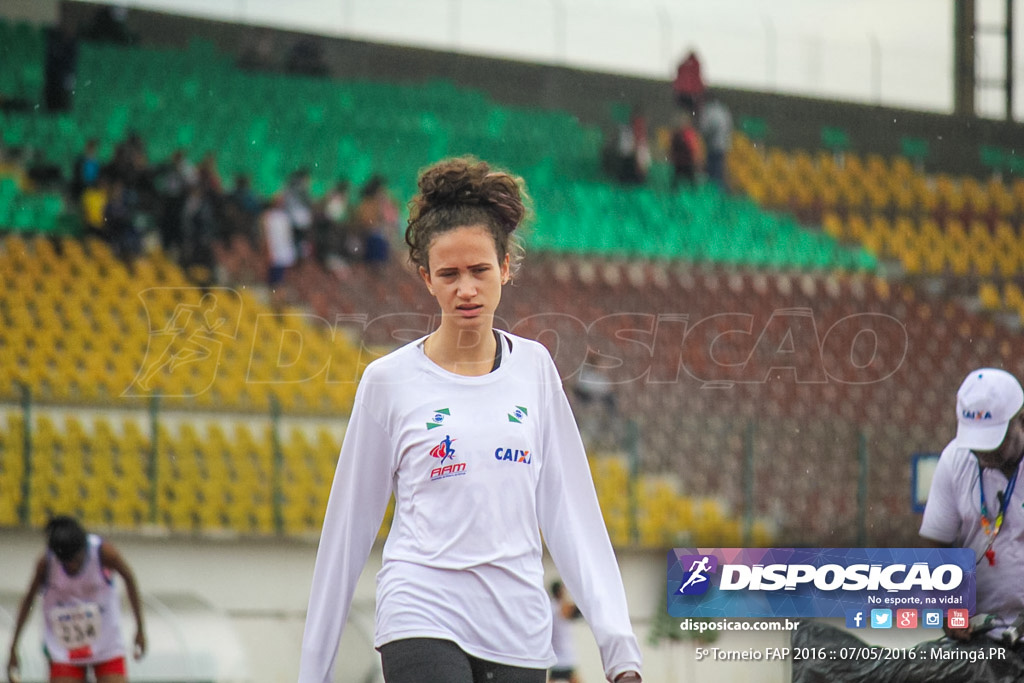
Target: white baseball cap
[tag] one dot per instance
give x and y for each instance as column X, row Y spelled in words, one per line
column 985, row 403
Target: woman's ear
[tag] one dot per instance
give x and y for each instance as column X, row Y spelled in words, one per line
column 425, row 274
column 506, row 270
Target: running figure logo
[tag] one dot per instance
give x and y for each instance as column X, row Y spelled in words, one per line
column 185, row 342
column 443, row 450
column 695, row 581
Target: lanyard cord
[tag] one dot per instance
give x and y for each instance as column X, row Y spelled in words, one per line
column 992, row 529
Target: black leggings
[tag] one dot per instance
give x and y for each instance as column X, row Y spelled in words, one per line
column 432, row 660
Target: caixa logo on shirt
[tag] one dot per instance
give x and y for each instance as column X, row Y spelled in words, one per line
column 513, row 455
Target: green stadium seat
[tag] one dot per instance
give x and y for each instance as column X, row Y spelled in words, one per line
column 993, row 158
column 914, row 149
column 835, row 139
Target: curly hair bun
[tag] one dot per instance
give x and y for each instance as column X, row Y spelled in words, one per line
column 465, row 181
column 460, row 192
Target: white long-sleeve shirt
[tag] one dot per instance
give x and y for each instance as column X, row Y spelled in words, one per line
column 480, row 468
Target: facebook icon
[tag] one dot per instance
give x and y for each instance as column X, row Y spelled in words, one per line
column 855, row 618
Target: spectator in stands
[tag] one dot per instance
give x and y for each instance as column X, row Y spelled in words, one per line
column 716, row 130
column 686, row 152
column 563, row 612
column 241, row 208
column 632, row 157
column 298, row 204
column 75, row 579
column 61, row 67
column 174, row 182
column 278, row 246
column 200, row 228
column 594, row 385
column 93, row 205
column 130, row 165
column 110, row 25
column 460, row 597
column 86, row 169
column 976, row 498
column 305, row 57
column 689, row 84
column 119, row 219
column 332, row 229
column 375, row 219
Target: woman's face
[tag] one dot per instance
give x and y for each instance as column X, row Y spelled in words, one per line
column 74, row 565
column 466, row 276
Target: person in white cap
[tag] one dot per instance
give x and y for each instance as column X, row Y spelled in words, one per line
column 976, row 499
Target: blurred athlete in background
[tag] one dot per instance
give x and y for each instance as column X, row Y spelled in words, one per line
column 81, row 607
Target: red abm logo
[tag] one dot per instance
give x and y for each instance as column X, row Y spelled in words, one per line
column 445, row 452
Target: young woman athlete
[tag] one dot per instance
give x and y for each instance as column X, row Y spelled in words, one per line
column 470, row 429
column 81, row 606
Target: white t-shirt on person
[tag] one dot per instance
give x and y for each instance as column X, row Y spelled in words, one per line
column 277, row 231
column 953, row 515
column 480, row 467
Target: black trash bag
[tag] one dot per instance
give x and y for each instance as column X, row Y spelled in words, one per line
column 848, row 659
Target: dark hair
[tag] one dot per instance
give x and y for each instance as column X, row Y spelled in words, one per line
column 65, row 537
column 556, row 589
column 461, row 192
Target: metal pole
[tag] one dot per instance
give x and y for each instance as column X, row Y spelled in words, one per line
column 876, row 68
column 633, row 448
column 666, row 35
column 453, row 19
column 26, row 454
column 770, row 53
column 862, row 490
column 152, row 470
column 277, row 464
column 964, row 68
column 561, row 26
column 748, row 484
column 1009, row 60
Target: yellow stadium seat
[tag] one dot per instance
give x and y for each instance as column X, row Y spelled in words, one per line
column 988, row 295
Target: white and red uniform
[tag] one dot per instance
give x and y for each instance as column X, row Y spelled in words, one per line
column 81, row 613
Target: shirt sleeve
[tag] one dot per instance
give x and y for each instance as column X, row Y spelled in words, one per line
column 941, row 521
column 359, row 497
column 574, row 531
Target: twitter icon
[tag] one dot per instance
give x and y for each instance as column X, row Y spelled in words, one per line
column 881, row 618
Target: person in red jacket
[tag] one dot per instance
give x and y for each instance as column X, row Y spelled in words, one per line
column 689, row 85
